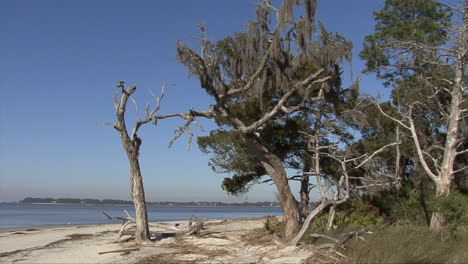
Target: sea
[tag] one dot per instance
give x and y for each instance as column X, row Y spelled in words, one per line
column 35, row 215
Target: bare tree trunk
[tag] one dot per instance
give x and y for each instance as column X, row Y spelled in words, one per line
column 307, row 222
column 142, row 233
column 132, row 148
column 398, row 176
column 438, row 219
column 331, row 217
column 452, row 141
column 332, row 212
column 304, row 191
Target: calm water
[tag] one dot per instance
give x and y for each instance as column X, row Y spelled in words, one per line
column 27, row 215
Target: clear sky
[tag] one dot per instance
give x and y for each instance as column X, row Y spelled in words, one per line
column 60, row 61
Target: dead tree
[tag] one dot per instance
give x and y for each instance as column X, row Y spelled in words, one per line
column 343, row 188
column 131, row 144
column 288, row 65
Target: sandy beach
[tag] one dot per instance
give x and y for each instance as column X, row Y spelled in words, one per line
column 226, row 241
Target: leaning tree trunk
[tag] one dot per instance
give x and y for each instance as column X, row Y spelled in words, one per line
column 275, row 169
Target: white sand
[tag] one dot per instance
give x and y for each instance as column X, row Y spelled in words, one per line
column 228, row 241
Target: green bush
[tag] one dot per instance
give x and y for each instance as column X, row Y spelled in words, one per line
column 355, row 214
column 454, row 207
column 407, row 205
column 274, row 225
column 345, row 220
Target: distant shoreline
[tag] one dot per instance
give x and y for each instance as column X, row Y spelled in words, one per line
column 150, row 205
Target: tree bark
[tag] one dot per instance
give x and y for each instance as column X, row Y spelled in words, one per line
column 331, row 217
column 438, row 219
column 304, row 191
column 447, row 172
column 307, row 222
column 132, row 148
column 142, row 233
column 276, row 171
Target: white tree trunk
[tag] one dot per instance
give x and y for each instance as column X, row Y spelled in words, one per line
column 447, row 172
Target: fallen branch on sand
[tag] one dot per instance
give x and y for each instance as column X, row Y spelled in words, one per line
column 339, row 243
column 119, row 251
column 195, row 225
column 126, row 221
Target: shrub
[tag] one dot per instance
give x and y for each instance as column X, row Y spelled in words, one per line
column 357, row 213
column 274, row 225
column 344, row 220
column 454, row 207
column 407, row 205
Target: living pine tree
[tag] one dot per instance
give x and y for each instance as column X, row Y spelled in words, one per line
column 418, row 54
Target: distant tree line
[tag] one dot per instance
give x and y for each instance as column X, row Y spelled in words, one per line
column 31, row 200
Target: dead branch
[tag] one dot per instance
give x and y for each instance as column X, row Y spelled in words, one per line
column 325, row 236
column 119, row 251
column 344, row 180
column 195, row 226
column 339, row 243
column 126, row 221
column 278, row 241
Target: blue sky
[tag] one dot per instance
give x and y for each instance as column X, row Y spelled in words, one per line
column 60, row 61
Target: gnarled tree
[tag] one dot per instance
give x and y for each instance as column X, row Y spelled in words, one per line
column 283, row 59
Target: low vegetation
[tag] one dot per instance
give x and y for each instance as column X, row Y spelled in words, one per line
column 408, row 244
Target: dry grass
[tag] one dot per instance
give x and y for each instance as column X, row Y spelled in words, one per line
column 182, row 252
column 164, row 259
column 409, row 244
column 321, row 256
column 79, row 236
column 258, row 237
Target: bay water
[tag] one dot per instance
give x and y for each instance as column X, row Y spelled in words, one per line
column 31, row 215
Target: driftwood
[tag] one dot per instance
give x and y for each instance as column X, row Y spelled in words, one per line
column 126, row 223
column 130, row 232
column 195, row 225
column 119, row 251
